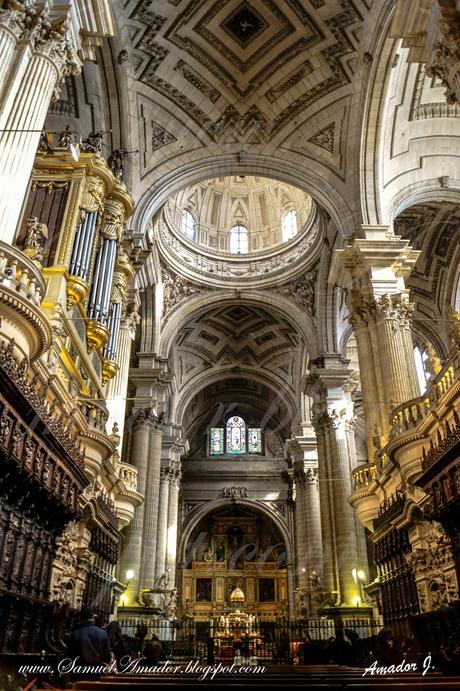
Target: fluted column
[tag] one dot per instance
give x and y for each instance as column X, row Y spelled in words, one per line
column 163, row 502
column 148, row 571
column 171, row 533
column 342, row 538
column 42, row 57
column 372, row 269
column 11, row 28
column 117, row 387
column 326, row 511
column 132, row 547
column 308, row 523
column 341, row 518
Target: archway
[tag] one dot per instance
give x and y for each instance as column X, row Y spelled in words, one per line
column 233, row 543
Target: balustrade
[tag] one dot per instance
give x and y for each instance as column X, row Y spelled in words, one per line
column 20, row 274
column 363, row 475
column 127, row 473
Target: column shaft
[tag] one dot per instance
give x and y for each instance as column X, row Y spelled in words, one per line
column 171, row 540
column 327, row 531
column 314, row 544
column 162, row 523
column 133, row 537
column 117, row 387
column 148, row 572
column 343, row 517
column 8, row 40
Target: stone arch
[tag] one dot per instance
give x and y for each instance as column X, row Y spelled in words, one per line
column 200, row 304
column 251, row 164
column 208, row 378
column 192, row 520
column 396, row 170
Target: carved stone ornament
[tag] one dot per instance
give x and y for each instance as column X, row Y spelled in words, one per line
column 364, row 311
column 130, row 317
column 302, row 291
column 235, row 492
column 176, row 288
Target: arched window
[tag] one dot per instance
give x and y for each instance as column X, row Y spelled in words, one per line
column 239, row 240
column 235, row 439
column 421, row 357
column 236, row 435
column 289, row 225
column 188, row 224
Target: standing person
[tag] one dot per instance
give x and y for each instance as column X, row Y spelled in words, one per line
column 153, row 650
column 339, row 650
column 89, row 643
column 117, row 643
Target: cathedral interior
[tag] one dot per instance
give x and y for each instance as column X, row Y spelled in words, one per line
column 229, row 317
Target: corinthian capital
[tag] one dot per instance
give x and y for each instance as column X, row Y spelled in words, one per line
column 50, row 37
column 13, row 16
column 395, row 307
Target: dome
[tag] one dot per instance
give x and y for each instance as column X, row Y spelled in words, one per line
column 240, row 214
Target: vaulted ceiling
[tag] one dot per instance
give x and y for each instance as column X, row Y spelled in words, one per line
column 241, row 343
column 251, row 74
column 432, row 228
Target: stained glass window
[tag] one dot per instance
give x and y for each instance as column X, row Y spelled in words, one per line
column 236, row 435
column 254, row 440
column 216, row 441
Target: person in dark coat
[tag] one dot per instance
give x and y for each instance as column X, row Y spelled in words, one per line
column 89, row 643
column 339, row 650
column 117, row 643
column 153, row 650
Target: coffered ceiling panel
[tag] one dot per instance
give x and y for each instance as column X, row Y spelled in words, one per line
column 241, row 72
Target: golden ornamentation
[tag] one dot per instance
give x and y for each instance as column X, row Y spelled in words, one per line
column 77, row 290
column 124, row 272
column 109, row 370
column 97, row 335
column 93, row 196
column 112, row 221
column 454, row 325
column 433, row 363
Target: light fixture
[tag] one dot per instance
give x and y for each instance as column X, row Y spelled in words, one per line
column 355, row 575
column 357, row 601
column 361, row 575
column 129, row 574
